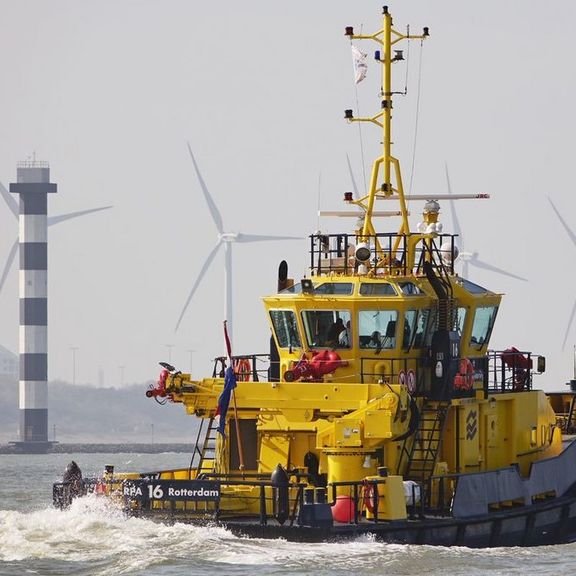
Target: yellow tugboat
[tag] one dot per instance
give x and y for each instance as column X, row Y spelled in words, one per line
column 380, row 408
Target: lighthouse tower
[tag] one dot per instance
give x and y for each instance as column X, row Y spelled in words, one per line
column 33, row 186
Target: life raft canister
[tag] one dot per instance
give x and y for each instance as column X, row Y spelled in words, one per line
column 464, row 379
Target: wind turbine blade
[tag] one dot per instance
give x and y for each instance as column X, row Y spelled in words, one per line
column 211, row 205
column 566, row 227
column 262, row 238
column 486, row 266
column 203, row 271
column 354, row 187
column 455, row 221
column 63, row 217
column 569, row 325
column 8, row 265
column 10, row 200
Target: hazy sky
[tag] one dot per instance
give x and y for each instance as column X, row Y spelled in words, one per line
column 110, row 91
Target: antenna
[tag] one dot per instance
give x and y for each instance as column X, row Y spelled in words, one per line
column 385, row 38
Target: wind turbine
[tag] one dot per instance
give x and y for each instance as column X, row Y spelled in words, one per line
column 225, row 240
column 471, row 258
column 52, row 220
column 355, row 193
column 572, row 237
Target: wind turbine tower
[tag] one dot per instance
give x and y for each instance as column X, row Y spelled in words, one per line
column 33, row 186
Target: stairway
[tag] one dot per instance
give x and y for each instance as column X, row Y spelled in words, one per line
column 204, row 453
column 423, row 453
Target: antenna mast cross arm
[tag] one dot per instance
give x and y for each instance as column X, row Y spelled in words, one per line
column 386, row 38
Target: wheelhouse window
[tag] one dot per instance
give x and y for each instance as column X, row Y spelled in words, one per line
column 460, row 319
column 409, row 289
column 473, row 288
column 294, row 289
column 417, row 325
column 285, row 328
column 484, row 318
column 340, row 288
column 377, row 329
column 377, row 289
column 327, row 328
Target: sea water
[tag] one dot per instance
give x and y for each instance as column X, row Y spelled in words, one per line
column 93, row 538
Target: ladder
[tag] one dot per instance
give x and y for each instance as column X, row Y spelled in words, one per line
column 204, row 453
column 423, row 454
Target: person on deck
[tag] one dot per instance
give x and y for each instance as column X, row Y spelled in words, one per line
column 345, row 338
column 334, row 333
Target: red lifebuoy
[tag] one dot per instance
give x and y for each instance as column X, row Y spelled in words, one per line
column 464, row 379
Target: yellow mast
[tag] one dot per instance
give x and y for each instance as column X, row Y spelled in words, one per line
column 386, row 38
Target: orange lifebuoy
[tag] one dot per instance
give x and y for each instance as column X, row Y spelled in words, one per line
column 464, row 379
column 368, row 497
column 243, row 369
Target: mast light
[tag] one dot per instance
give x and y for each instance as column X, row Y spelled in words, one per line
column 348, row 197
column 348, row 115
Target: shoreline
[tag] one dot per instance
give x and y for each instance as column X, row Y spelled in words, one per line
column 104, row 448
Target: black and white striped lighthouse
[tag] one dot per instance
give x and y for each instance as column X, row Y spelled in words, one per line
column 33, row 186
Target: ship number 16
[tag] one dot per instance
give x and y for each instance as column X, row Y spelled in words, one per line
column 155, row 491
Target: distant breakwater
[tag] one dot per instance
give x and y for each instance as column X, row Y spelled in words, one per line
column 79, row 448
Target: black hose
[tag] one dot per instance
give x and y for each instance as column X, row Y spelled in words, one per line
column 414, row 421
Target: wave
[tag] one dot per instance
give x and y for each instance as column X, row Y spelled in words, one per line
column 94, row 537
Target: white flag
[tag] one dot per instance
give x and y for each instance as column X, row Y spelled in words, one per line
column 360, row 66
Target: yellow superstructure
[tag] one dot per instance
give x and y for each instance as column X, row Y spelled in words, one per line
column 380, row 367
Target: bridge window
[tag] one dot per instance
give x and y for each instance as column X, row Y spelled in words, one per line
column 460, row 319
column 285, row 328
column 341, row 288
column 377, row 329
column 377, row 289
column 327, row 328
column 482, row 327
column 409, row 288
column 415, row 328
column 473, row 288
